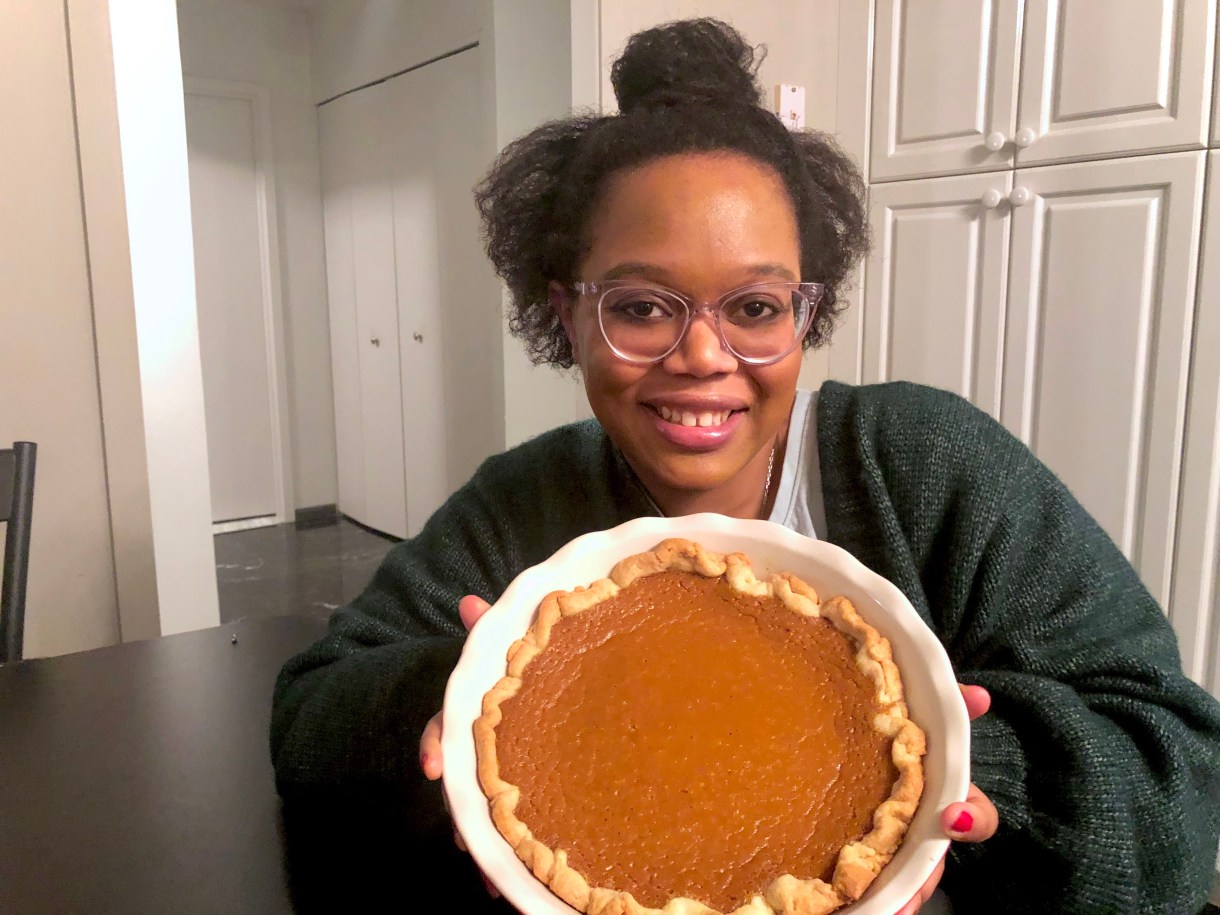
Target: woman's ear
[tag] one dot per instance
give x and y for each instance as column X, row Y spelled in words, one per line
column 561, row 300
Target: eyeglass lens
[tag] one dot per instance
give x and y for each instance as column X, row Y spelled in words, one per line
column 759, row 323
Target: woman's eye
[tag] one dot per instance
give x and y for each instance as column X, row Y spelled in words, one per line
column 643, row 309
column 754, row 308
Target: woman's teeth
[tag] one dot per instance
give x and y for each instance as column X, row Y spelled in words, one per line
column 685, row 418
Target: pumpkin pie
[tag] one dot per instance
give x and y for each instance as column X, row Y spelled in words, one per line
column 687, row 739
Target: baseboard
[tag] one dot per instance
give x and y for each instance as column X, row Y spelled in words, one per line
column 316, row 516
column 243, row 524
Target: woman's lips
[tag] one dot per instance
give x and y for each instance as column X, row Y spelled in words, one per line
column 696, row 437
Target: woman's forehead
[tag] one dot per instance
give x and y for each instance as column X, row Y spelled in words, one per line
column 718, row 210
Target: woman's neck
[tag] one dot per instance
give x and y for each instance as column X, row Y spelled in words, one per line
column 749, row 494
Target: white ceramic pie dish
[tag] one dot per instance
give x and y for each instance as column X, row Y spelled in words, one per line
column 933, row 698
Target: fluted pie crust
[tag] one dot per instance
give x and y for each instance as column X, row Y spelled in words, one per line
column 858, row 863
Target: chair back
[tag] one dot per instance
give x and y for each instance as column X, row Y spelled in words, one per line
column 17, row 509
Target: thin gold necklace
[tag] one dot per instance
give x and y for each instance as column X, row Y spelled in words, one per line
column 767, row 485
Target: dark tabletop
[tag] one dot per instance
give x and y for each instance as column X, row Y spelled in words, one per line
column 137, row 778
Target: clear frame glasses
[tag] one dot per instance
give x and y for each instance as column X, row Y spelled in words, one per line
column 759, row 324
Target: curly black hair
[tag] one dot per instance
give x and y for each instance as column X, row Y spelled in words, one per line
column 688, row 86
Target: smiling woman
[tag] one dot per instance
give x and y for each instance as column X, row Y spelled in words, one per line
column 681, row 255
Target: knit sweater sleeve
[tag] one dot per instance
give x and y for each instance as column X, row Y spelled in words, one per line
column 1102, row 758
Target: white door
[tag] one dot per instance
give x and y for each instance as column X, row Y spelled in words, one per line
column 336, row 125
column 231, row 291
column 376, row 283
column 934, row 286
column 1100, row 305
column 1195, row 604
column 361, row 279
column 944, row 87
column 450, row 329
column 421, row 104
column 1101, row 77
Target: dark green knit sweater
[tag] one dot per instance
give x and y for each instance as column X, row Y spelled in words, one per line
column 1102, row 758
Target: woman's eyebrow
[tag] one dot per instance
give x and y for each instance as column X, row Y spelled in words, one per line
column 634, row 268
column 658, row 273
column 776, row 270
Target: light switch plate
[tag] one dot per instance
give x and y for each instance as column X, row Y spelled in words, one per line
column 789, row 104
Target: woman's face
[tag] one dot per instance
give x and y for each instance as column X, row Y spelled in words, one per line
column 702, row 224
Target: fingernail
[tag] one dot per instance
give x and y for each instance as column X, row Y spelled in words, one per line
column 963, row 822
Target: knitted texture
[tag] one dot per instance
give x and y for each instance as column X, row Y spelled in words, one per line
column 1102, row 758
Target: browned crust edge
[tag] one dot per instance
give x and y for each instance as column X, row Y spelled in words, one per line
column 859, row 862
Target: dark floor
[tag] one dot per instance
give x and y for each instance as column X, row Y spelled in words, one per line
column 273, row 571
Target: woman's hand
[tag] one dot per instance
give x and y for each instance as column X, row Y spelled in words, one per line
column 972, row 820
column 470, row 609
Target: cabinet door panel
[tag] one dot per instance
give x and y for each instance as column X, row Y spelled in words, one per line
column 1099, row 320
column 334, row 128
column 1195, row 605
column 944, row 78
column 1215, row 140
column 1101, row 78
column 934, row 288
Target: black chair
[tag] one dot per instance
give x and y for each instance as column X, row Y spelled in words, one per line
column 16, row 508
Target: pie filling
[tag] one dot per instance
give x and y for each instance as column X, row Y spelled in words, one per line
column 683, row 739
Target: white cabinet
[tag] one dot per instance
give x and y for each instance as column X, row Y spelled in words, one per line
column 414, row 305
column 965, row 87
column 944, row 87
column 1054, row 278
column 1099, row 317
column 936, row 283
column 1100, row 78
column 1196, row 594
column 1059, row 302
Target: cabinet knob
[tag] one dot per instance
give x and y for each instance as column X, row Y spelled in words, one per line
column 1020, row 196
column 1025, row 137
column 376, row 341
column 995, row 141
column 992, row 198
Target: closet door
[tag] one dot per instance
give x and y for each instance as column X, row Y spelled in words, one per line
column 450, row 328
column 1195, row 605
column 363, row 286
column 377, row 315
column 934, row 287
column 336, row 122
column 1099, row 320
column 1100, row 78
column 944, row 87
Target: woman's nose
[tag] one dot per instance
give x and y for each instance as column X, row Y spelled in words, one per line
column 701, row 352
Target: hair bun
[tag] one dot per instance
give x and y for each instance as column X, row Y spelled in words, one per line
column 691, row 61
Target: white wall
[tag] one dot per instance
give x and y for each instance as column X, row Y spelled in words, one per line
column 534, row 56
column 152, row 139
column 270, row 46
column 49, row 388
column 355, row 42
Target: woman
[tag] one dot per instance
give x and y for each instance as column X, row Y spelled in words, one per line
column 653, row 250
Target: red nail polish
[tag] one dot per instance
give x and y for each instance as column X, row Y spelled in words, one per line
column 963, row 822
